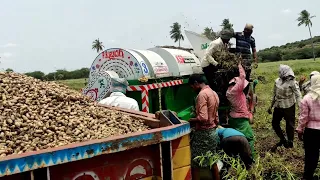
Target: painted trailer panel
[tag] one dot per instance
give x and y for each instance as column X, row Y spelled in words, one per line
column 78, row 151
column 138, row 163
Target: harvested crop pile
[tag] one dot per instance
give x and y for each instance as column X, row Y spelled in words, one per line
column 226, row 59
column 38, row 115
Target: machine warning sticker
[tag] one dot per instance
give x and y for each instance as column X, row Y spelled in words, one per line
column 180, row 59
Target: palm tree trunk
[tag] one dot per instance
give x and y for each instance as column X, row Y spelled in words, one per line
column 179, row 42
column 314, row 57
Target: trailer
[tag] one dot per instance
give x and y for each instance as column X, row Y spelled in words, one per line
column 160, row 153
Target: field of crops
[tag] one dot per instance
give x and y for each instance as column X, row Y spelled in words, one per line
column 283, row 164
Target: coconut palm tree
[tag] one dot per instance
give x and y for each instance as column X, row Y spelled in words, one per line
column 175, row 32
column 97, row 45
column 226, row 24
column 305, row 19
column 209, row 33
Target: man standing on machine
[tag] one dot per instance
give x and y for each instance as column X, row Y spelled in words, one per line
column 208, row 63
column 244, row 44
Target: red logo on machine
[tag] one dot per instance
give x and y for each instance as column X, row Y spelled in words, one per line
column 92, row 93
column 113, row 54
column 180, row 59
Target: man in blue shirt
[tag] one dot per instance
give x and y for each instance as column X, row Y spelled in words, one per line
column 234, row 143
column 245, row 43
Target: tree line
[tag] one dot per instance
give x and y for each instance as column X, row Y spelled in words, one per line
column 305, row 49
column 177, row 36
column 292, row 51
column 61, row 74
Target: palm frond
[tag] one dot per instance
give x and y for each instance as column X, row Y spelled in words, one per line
column 175, row 32
column 181, row 37
column 97, row 45
column 305, row 18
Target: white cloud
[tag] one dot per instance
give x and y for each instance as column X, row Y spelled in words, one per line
column 286, row 11
column 6, row 55
column 10, row 45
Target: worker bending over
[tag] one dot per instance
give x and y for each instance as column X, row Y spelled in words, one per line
column 208, row 63
column 234, row 143
column 240, row 116
column 118, row 98
column 304, row 87
column 244, row 44
column 286, row 94
column 204, row 138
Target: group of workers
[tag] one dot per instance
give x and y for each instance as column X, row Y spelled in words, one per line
column 238, row 139
column 286, row 95
column 208, row 135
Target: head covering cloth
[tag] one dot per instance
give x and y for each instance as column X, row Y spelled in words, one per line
column 314, row 90
column 285, row 71
column 119, row 85
column 314, row 73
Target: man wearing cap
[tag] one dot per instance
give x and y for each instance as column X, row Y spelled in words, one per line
column 118, row 98
column 208, row 63
column 245, row 43
column 304, row 87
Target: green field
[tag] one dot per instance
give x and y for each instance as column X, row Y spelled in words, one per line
column 284, row 164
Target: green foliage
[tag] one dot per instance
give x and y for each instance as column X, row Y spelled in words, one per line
column 176, row 33
column 97, row 45
column 305, row 18
column 226, row 24
column 75, row 84
column 209, row 33
column 296, row 50
column 271, row 55
column 9, row 70
column 208, row 159
column 60, row 74
column 36, row 74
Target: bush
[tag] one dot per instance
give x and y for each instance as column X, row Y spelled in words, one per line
column 60, row 74
column 296, row 50
column 36, row 74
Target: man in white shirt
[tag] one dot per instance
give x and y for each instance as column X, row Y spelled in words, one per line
column 118, row 98
column 216, row 45
column 208, row 63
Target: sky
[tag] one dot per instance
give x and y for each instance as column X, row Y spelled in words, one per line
column 47, row 35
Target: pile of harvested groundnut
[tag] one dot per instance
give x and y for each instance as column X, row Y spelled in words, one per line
column 38, row 115
column 226, row 60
